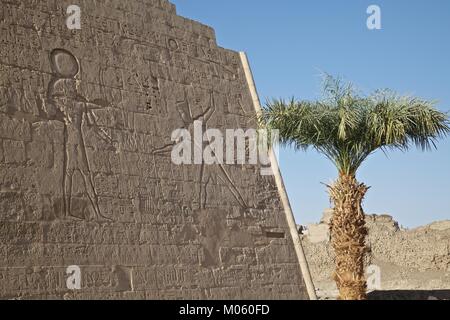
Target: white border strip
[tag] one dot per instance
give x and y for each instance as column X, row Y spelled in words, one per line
column 281, row 188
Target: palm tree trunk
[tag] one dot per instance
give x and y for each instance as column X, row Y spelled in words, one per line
column 348, row 233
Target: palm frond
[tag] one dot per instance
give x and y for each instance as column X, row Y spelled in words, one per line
column 348, row 127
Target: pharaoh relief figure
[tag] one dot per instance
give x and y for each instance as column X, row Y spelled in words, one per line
column 66, row 104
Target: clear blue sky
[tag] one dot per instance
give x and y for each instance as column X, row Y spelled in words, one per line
column 289, row 42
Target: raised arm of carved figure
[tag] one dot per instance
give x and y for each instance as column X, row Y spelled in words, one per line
column 91, row 119
column 212, row 108
column 184, row 111
column 97, row 104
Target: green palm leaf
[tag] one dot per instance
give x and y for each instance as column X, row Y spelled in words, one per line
column 347, row 127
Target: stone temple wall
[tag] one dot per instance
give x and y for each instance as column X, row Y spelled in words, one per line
column 86, row 177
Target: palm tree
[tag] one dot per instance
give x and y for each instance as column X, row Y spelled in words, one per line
column 347, row 127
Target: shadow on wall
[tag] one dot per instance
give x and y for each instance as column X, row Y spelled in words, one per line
column 410, row 295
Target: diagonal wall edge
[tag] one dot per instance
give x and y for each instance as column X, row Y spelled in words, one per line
column 280, row 186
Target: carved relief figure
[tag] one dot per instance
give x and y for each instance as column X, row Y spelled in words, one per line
column 207, row 172
column 67, row 105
